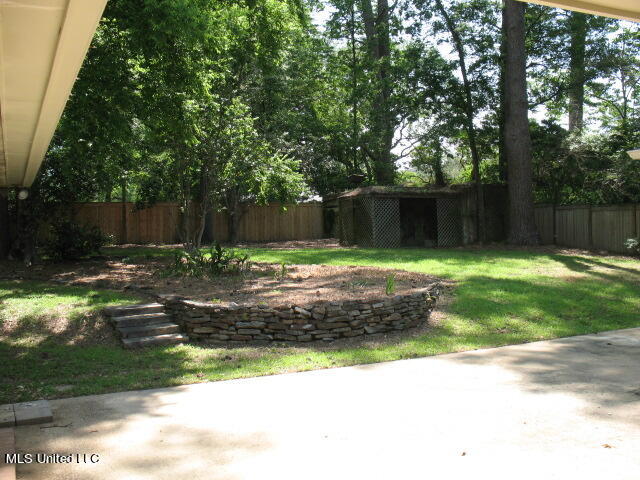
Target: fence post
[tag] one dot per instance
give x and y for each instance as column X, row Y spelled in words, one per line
column 590, row 227
column 554, row 228
column 124, row 222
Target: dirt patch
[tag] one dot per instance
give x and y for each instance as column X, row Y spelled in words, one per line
column 305, row 284
column 297, row 244
column 299, row 284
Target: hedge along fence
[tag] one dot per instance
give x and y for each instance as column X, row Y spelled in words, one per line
column 160, row 223
column 590, row 227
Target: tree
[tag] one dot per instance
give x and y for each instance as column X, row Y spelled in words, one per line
column 178, row 98
column 378, row 41
column 247, row 169
column 577, row 25
column 469, row 119
column 428, row 160
column 522, row 227
column 617, row 96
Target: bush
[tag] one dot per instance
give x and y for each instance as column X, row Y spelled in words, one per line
column 216, row 261
column 71, row 241
column 633, row 244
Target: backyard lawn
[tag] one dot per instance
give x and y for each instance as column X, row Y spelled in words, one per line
column 498, row 297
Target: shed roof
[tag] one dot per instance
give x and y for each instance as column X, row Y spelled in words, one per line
column 411, row 192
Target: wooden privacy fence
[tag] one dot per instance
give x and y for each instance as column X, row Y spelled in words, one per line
column 269, row 223
column 579, row 226
column 159, row 224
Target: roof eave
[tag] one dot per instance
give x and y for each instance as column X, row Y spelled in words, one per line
column 605, row 8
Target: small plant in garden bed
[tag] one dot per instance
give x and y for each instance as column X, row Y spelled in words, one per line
column 216, row 261
column 281, row 273
column 633, row 245
column 391, row 284
column 357, row 284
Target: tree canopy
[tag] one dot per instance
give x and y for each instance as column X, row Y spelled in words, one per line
column 216, row 103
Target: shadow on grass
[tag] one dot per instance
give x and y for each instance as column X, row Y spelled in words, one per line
column 22, row 289
column 589, row 265
column 38, row 304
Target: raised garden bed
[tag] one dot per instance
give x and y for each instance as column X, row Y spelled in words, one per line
column 298, row 303
column 311, row 302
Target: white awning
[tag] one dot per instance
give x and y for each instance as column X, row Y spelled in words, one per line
column 624, row 9
column 42, row 46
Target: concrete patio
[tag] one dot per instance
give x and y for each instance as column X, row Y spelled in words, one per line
column 567, row 408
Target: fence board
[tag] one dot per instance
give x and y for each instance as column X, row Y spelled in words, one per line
column 544, row 222
column 160, row 223
column 598, row 227
column 572, row 227
column 602, row 228
column 612, row 226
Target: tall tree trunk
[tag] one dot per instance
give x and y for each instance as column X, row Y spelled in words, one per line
column 204, row 207
column 376, row 27
column 354, row 89
column 5, row 229
column 234, row 215
column 522, row 227
column 438, row 171
column 578, row 33
column 125, row 227
column 502, row 158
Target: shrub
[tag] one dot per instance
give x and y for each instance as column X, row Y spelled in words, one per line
column 216, row 261
column 633, row 244
column 71, row 241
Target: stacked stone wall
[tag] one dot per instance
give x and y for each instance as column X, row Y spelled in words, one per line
column 322, row 320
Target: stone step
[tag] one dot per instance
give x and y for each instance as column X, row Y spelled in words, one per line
column 167, row 339
column 139, row 309
column 148, row 330
column 140, row 320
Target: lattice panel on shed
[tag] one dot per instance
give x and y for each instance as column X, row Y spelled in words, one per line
column 363, row 221
column 347, row 236
column 386, row 225
column 449, row 222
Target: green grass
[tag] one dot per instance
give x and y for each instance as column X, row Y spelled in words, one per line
column 501, row 297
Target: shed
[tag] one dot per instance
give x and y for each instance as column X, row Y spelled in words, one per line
column 392, row 216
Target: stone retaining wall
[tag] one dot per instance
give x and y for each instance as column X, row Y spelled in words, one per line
column 215, row 322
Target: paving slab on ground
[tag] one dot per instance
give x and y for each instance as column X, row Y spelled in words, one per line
column 7, row 416
column 32, row 413
column 7, row 447
column 565, row 409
